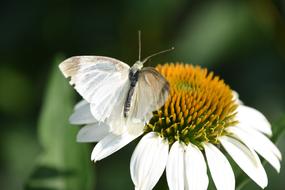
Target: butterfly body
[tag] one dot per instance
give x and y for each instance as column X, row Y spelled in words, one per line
column 133, row 77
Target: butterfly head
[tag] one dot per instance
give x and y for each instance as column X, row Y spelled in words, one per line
column 138, row 65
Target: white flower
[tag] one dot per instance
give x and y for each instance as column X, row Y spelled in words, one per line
column 202, row 120
column 186, row 166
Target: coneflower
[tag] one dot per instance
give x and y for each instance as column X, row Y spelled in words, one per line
column 202, row 119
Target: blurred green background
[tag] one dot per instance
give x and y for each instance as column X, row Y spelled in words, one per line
column 242, row 41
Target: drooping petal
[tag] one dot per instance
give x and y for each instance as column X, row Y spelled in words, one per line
column 148, row 161
column 236, row 97
column 247, row 160
column 220, row 168
column 254, row 119
column 110, row 144
column 195, row 169
column 82, row 114
column 266, row 141
column 175, row 167
column 260, row 143
column 92, row 132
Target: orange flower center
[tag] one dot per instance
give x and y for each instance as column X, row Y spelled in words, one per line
column 200, row 106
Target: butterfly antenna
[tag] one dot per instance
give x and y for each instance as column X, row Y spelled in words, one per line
column 155, row 54
column 140, row 44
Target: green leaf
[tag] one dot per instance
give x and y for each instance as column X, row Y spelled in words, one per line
column 278, row 129
column 63, row 164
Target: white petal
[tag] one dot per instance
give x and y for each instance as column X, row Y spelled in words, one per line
column 80, row 104
column 148, row 161
column 265, row 141
column 195, row 168
column 220, row 168
column 260, row 143
column 254, row 119
column 236, row 97
column 82, row 114
column 92, row 132
column 175, row 167
column 110, row 144
column 246, row 159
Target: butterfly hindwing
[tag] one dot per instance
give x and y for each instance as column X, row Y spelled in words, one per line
column 150, row 94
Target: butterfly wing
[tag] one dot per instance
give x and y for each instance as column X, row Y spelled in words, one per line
column 99, row 80
column 150, row 94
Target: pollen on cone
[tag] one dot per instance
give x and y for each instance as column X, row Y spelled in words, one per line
column 200, row 105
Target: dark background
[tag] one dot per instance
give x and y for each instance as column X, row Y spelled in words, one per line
column 241, row 41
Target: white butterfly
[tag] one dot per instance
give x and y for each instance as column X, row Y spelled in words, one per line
column 117, row 94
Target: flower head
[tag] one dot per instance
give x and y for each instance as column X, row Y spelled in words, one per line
column 199, row 108
column 201, row 120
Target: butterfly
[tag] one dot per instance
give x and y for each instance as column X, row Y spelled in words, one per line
column 117, row 94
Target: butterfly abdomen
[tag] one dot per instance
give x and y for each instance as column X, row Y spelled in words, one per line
column 133, row 77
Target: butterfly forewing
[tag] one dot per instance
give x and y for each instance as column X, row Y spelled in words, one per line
column 150, row 94
column 98, row 80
